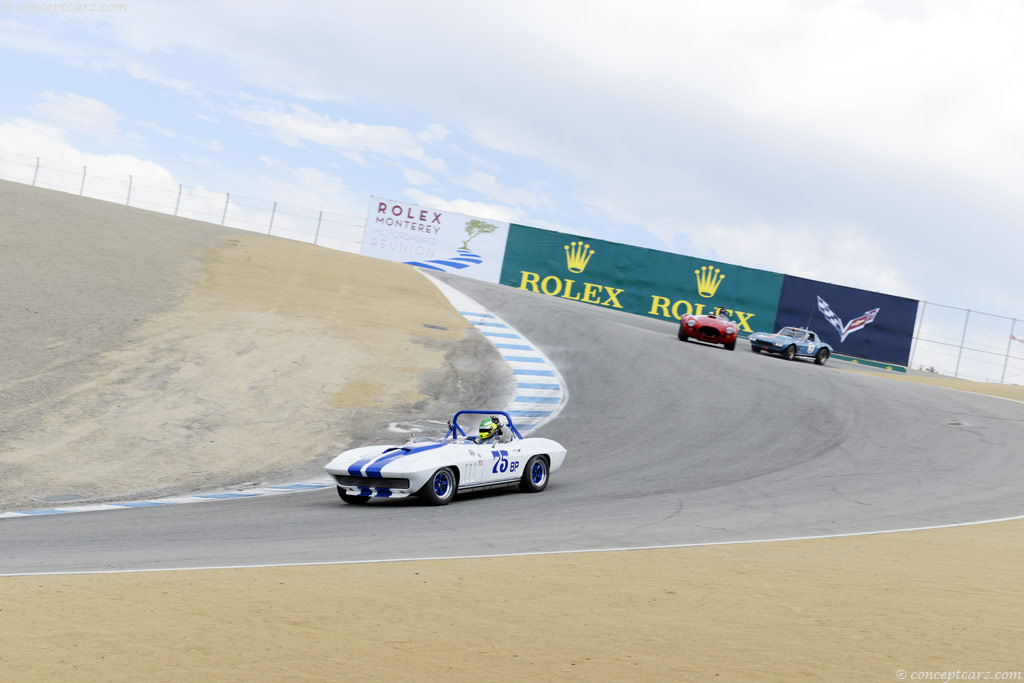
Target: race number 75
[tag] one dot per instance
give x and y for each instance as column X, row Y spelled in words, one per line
column 502, row 464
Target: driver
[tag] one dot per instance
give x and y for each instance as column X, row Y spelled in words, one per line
column 490, row 431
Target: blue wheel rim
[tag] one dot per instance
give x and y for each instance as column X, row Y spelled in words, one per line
column 441, row 484
column 538, row 472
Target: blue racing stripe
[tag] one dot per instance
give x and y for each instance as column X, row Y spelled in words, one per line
column 356, row 468
column 375, row 468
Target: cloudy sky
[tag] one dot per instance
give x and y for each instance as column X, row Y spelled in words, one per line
column 877, row 144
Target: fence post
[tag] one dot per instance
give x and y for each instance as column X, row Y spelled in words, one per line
column 967, row 318
column 178, row 201
column 82, row 188
column 1009, row 343
column 318, row 220
column 273, row 212
column 36, row 174
column 129, row 199
column 913, row 347
column 227, row 198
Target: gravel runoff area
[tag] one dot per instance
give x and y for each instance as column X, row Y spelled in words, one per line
column 146, row 355
column 906, row 606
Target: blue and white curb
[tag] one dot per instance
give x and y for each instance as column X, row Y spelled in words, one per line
column 539, row 395
column 228, row 494
column 540, row 392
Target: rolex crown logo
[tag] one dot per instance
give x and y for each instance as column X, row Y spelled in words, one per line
column 577, row 255
column 708, row 279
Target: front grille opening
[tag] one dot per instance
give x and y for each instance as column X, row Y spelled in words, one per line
column 373, row 482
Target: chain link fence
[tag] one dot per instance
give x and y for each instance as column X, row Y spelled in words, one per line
column 949, row 341
column 333, row 230
column 968, row 344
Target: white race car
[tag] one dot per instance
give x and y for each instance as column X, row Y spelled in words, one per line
column 436, row 470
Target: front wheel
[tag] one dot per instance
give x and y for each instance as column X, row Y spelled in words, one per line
column 731, row 346
column 821, row 356
column 682, row 334
column 755, row 349
column 440, row 488
column 790, row 352
column 352, row 500
column 535, row 475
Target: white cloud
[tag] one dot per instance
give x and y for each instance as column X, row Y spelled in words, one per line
column 415, row 177
column 211, row 145
column 310, row 188
column 435, row 132
column 143, row 72
column 149, row 125
column 78, row 113
column 464, row 206
column 847, row 256
column 295, row 124
column 29, row 139
column 487, row 185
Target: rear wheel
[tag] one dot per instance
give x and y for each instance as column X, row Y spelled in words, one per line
column 821, row 357
column 790, row 352
column 440, row 488
column 352, row 500
column 535, row 475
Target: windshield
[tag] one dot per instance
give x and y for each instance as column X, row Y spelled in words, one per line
column 793, row 332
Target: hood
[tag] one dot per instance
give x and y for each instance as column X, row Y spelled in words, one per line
column 355, row 460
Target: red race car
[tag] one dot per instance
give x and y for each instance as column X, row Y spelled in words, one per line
column 715, row 328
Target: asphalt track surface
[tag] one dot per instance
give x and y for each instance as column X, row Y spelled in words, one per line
column 668, row 443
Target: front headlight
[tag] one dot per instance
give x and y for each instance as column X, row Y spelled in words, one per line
column 690, row 323
column 730, row 330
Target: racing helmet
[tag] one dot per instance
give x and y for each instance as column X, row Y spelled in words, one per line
column 487, row 429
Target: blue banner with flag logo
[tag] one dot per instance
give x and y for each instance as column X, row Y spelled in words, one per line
column 856, row 322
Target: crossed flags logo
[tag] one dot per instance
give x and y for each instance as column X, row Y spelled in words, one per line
column 850, row 327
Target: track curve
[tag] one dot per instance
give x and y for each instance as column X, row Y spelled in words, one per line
column 669, row 443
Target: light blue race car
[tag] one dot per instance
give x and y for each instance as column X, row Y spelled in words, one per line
column 790, row 342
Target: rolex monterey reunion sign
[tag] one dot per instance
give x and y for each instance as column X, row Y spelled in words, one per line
column 435, row 240
column 656, row 284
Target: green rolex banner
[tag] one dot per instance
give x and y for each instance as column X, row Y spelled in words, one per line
column 657, row 284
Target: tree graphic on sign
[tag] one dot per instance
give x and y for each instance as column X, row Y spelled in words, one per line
column 477, row 227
